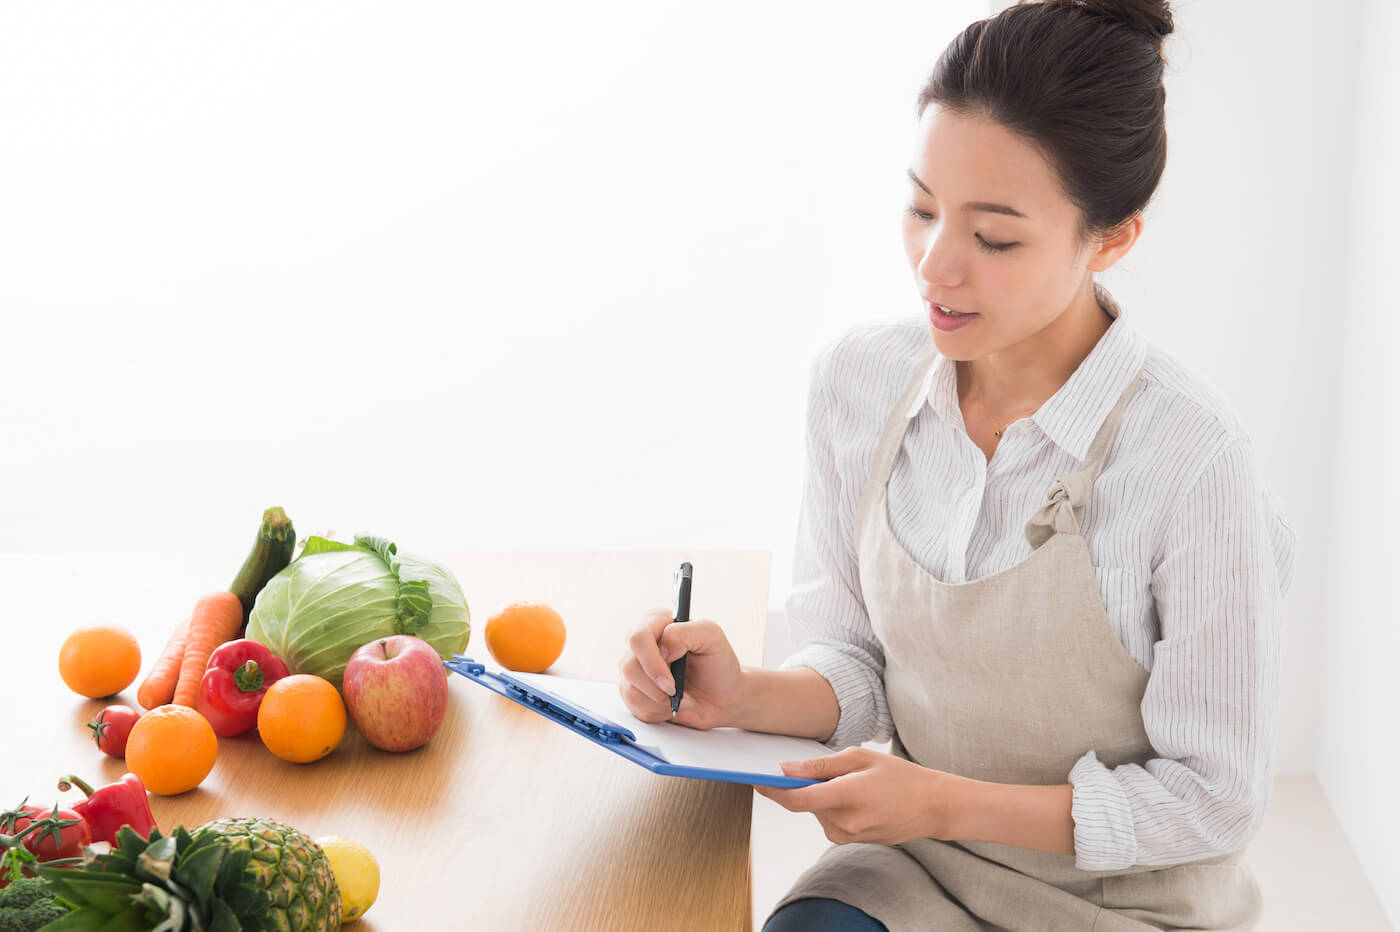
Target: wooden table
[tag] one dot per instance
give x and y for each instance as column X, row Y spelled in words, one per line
column 503, row 821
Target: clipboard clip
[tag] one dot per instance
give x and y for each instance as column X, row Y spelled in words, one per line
column 548, row 705
column 568, row 715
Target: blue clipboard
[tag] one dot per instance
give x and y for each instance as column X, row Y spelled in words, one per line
column 601, row 731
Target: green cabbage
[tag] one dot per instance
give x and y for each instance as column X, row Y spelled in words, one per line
column 335, row 597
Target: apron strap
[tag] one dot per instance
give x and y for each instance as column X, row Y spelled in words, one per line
column 882, row 462
column 1063, row 509
column 1064, row 506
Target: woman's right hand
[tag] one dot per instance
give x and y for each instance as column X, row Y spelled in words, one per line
column 712, row 673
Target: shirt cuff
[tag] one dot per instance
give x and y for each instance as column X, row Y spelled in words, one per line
column 860, row 692
column 1104, row 837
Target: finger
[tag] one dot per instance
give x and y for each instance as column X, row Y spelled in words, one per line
column 802, row 799
column 777, row 794
column 817, row 797
column 644, row 645
column 824, row 768
column 644, row 708
column 636, row 678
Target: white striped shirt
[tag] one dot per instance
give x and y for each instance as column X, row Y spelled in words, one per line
column 1191, row 550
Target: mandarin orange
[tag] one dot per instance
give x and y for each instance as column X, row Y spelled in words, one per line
column 301, row 718
column 172, row 749
column 525, row 636
column 99, row 660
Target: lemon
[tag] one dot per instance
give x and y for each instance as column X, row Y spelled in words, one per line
column 356, row 873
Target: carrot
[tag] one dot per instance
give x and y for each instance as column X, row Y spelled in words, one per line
column 159, row 685
column 216, row 619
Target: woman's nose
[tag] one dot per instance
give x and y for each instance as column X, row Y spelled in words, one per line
column 940, row 265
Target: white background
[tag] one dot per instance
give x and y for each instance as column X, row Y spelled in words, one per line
column 550, row 276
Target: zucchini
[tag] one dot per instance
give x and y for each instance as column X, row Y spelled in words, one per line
column 271, row 553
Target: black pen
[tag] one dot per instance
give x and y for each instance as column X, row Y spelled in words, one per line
column 682, row 613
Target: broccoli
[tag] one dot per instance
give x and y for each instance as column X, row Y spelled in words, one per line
column 27, row 904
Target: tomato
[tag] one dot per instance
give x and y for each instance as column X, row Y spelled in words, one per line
column 111, row 727
column 63, row 837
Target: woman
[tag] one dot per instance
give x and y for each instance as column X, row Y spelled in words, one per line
column 1080, row 683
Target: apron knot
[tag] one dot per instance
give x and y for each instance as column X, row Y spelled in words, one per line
column 1062, row 510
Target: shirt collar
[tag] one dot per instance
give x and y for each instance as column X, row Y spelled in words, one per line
column 1073, row 415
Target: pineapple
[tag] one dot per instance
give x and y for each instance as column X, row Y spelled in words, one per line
column 292, row 869
column 229, row 875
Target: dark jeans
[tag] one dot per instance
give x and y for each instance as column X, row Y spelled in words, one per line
column 814, row 914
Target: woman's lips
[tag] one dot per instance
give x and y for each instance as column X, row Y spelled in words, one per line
column 943, row 321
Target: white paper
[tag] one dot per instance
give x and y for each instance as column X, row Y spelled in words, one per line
column 717, row 749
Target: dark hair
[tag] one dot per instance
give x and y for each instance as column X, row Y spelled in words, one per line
column 1080, row 79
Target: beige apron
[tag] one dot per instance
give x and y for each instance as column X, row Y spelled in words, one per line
column 1010, row 678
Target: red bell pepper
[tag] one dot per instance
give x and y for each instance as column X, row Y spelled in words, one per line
column 237, row 675
column 108, row 809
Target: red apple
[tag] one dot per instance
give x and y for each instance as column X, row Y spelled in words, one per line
column 396, row 692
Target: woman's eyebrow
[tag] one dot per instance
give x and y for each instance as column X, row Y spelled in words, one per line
column 971, row 205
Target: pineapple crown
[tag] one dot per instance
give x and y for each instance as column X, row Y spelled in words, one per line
column 170, row 883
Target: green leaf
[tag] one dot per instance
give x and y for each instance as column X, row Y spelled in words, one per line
column 110, row 897
column 87, row 919
column 125, row 921
column 130, row 844
column 232, row 868
column 414, row 604
column 385, row 548
column 119, row 861
column 223, row 918
column 197, row 870
column 13, row 862
column 158, row 860
column 108, row 892
column 158, row 903
column 324, row 545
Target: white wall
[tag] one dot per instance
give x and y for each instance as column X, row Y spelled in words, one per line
column 1359, row 738
column 469, row 276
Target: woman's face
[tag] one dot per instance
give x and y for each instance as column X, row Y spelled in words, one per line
column 992, row 236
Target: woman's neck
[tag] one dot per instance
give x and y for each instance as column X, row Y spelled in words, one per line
column 1020, row 378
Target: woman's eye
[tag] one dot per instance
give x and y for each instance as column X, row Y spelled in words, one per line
column 993, row 247
column 982, row 244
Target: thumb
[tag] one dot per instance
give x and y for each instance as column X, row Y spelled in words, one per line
column 819, row 768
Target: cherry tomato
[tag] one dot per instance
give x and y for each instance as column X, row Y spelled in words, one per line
column 52, row 841
column 111, row 727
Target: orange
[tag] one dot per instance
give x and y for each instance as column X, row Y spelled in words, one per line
column 99, row 660
column 525, row 636
column 172, row 749
column 301, row 718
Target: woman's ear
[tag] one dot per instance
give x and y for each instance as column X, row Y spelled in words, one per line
column 1115, row 244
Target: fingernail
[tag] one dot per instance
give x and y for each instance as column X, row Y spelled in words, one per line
column 665, row 685
column 791, row 767
column 665, row 654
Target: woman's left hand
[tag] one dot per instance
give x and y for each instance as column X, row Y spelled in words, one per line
column 870, row 797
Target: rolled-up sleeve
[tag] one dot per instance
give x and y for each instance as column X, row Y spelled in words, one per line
column 825, row 611
column 1211, row 704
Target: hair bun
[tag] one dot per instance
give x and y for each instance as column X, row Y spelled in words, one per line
column 1153, row 17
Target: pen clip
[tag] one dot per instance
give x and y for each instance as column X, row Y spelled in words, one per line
column 680, row 607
